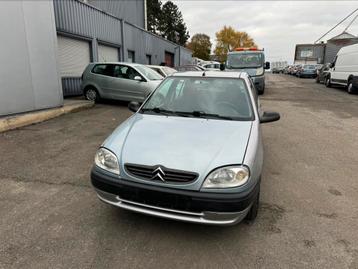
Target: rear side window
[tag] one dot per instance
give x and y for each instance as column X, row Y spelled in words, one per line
column 103, row 69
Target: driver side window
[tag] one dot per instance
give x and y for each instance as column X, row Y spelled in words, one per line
column 125, row 72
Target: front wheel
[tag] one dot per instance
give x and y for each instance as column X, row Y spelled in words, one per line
column 327, row 82
column 350, row 87
column 91, row 94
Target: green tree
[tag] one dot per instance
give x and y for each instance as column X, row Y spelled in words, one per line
column 171, row 24
column 154, row 11
column 201, row 46
column 227, row 39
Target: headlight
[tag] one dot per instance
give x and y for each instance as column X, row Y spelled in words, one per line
column 107, row 161
column 259, row 71
column 227, row 177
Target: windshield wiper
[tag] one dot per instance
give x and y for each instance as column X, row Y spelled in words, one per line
column 159, row 110
column 201, row 114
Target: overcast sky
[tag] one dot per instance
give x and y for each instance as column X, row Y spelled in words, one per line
column 276, row 26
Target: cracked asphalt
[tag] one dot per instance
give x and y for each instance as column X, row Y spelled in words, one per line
column 51, row 218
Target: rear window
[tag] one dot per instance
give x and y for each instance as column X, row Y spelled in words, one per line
column 309, row 67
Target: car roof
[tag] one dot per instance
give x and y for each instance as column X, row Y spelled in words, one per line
column 214, row 74
column 124, row 63
column 156, row 66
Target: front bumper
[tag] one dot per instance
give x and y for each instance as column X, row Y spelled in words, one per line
column 183, row 205
column 308, row 74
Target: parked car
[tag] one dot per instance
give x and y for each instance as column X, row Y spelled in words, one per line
column 322, row 73
column 164, row 71
column 306, row 70
column 344, row 68
column 294, row 69
column 120, row 81
column 286, row 69
column 275, row 70
column 213, row 66
column 192, row 152
column 190, row 67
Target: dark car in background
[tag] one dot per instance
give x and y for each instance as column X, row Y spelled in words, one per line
column 322, row 73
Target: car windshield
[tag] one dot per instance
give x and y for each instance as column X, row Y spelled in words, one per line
column 214, row 98
column 245, row 60
column 309, row 67
column 148, row 72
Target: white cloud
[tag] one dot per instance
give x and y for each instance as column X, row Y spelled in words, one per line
column 276, row 26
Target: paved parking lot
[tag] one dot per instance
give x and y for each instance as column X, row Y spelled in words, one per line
column 51, row 218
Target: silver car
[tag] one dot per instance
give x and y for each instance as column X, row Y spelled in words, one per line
column 120, row 81
column 191, row 152
column 164, row 71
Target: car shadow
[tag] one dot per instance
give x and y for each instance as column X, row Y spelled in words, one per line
column 113, row 102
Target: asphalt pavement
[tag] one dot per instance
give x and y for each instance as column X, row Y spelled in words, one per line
column 51, row 218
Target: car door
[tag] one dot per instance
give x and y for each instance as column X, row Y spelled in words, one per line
column 124, row 85
column 336, row 75
column 102, row 77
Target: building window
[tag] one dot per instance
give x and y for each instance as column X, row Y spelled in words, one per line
column 131, row 56
column 149, row 59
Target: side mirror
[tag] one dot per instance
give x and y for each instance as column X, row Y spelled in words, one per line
column 269, row 117
column 138, row 78
column 222, row 66
column 267, row 65
column 133, row 106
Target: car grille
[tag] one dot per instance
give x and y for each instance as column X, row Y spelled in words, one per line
column 160, row 173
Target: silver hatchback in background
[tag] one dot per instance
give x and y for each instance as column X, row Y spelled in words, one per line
column 119, row 81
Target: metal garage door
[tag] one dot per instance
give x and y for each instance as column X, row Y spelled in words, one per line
column 73, row 56
column 107, row 54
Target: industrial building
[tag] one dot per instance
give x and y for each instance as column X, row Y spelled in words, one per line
column 322, row 53
column 111, row 30
column 29, row 73
column 55, row 40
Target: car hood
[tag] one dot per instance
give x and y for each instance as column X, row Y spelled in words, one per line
column 189, row 144
column 153, row 84
column 252, row 72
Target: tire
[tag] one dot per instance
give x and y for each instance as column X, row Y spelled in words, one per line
column 91, row 94
column 251, row 216
column 327, row 82
column 261, row 92
column 350, row 87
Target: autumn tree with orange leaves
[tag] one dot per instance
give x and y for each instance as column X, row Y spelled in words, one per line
column 227, row 39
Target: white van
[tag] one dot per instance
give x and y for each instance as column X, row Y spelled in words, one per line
column 344, row 67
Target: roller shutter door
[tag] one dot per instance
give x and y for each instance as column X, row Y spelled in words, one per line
column 73, row 56
column 107, row 54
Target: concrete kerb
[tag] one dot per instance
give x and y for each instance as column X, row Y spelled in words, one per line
column 17, row 121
